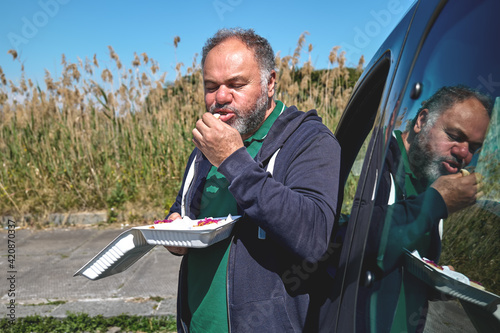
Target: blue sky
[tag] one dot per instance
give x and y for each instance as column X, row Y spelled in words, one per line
column 42, row 30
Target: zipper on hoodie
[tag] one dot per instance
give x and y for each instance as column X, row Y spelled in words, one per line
column 227, row 286
column 187, row 203
column 181, row 303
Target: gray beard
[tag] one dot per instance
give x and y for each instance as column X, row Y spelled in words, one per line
column 249, row 124
column 423, row 162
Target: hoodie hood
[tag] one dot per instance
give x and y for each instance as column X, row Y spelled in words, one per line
column 286, row 124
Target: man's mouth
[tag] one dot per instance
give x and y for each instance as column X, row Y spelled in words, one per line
column 225, row 114
column 451, row 167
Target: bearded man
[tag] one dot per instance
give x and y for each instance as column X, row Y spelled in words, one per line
column 275, row 166
column 421, row 185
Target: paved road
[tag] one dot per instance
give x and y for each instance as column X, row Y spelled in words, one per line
column 45, row 261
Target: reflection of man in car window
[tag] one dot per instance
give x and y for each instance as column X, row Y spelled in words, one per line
column 421, row 185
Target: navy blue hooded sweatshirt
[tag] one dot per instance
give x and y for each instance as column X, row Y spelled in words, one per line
column 276, row 284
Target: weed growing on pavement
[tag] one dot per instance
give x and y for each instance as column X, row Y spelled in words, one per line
column 84, row 323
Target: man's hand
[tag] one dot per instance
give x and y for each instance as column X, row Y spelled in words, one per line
column 458, row 191
column 216, row 139
column 176, row 249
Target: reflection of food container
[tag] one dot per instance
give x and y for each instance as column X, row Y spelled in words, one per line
column 448, row 284
column 134, row 243
column 482, row 307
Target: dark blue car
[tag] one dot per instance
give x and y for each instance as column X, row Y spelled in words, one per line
column 408, row 262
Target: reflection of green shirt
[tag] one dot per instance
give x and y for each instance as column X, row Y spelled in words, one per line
column 405, row 184
column 206, row 278
column 413, row 186
column 413, row 295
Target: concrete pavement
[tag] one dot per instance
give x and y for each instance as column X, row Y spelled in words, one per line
column 40, row 280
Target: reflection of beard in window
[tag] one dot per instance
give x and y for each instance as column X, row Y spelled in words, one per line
column 423, row 161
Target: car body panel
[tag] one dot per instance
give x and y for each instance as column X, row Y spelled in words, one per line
column 435, row 44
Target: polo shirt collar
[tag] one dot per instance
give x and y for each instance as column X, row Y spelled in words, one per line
column 261, row 133
column 413, row 185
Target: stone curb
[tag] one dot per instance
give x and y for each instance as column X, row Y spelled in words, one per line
column 111, row 307
column 82, row 218
column 69, row 219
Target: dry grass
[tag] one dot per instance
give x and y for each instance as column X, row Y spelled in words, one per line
column 470, row 245
column 118, row 138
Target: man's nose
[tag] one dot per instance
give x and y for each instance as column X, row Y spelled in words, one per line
column 223, row 95
column 461, row 151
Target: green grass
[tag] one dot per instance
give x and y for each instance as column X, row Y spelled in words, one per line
column 85, row 323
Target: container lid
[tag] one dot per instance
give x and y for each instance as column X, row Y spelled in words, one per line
column 119, row 255
column 471, row 298
column 134, row 243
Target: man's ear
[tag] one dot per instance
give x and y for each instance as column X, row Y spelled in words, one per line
column 271, row 84
column 421, row 120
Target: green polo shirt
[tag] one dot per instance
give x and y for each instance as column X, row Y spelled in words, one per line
column 413, row 186
column 412, row 294
column 207, row 267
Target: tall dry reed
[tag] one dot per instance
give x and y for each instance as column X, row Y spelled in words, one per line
column 116, row 138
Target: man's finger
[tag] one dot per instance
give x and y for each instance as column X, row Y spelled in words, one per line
column 479, row 177
column 197, row 137
column 174, row 216
column 208, row 119
column 454, row 175
column 177, row 250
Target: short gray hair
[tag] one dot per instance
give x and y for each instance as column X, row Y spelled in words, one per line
column 447, row 97
column 264, row 54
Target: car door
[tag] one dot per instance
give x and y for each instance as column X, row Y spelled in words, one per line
column 437, row 44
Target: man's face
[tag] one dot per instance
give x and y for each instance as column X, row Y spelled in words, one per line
column 448, row 145
column 233, row 87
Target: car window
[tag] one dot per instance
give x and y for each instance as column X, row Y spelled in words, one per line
column 354, row 135
column 357, row 133
column 456, row 72
column 353, row 177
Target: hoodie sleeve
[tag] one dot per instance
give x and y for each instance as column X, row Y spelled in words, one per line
column 404, row 224
column 296, row 206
